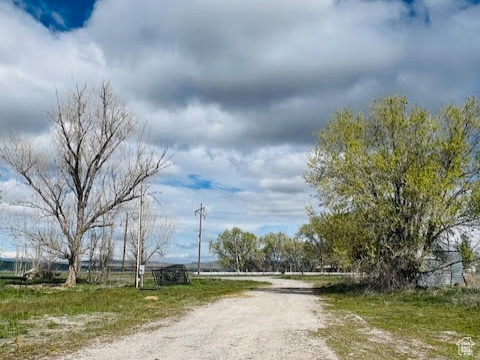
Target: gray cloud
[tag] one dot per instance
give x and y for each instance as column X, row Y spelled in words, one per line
column 279, row 71
column 229, row 53
column 236, row 88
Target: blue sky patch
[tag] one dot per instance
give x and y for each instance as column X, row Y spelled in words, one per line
column 198, row 182
column 58, row 15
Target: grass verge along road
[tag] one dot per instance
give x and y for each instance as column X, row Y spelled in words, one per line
column 37, row 321
column 402, row 324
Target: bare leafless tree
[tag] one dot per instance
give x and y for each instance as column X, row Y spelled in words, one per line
column 94, row 165
column 40, row 236
column 101, row 250
column 100, row 253
column 155, row 228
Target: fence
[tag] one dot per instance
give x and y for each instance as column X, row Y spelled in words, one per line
column 22, row 265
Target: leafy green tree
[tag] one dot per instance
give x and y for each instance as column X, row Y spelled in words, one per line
column 466, row 252
column 294, row 252
column 346, row 242
column 235, row 248
column 394, row 184
column 317, row 249
column 280, row 252
column 273, row 248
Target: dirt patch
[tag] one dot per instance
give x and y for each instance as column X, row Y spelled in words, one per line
column 43, row 327
column 276, row 322
column 366, row 340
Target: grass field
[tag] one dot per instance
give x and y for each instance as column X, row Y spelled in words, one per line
column 408, row 324
column 39, row 320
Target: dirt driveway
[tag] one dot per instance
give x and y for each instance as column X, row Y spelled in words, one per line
column 270, row 323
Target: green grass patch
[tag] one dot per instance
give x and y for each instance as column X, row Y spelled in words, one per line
column 414, row 323
column 318, row 280
column 70, row 317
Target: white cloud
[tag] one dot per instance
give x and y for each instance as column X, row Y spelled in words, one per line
column 8, row 254
column 236, row 88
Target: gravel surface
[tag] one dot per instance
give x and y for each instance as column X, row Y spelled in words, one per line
column 275, row 323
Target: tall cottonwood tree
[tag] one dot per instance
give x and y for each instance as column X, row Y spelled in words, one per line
column 394, row 185
column 273, row 249
column 235, row 248
column 317, row 249
column 94, row 166
column 295, row 259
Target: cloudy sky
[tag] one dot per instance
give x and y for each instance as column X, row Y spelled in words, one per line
column 234, row 88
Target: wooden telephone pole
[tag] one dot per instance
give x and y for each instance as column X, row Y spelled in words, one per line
column 201, row 212
column 139, row 239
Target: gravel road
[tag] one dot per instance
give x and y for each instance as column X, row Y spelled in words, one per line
column 275, row 323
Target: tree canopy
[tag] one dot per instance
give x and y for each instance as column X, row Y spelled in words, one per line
column 235, row 248
column 395, row 186
column 277, row 252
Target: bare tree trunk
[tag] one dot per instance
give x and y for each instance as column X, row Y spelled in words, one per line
column 72, row 270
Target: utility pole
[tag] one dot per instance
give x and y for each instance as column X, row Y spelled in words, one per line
column 125, row 242
column 201, row 212
column 140, row 239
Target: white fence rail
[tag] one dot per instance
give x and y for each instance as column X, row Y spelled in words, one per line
column 271, row 273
